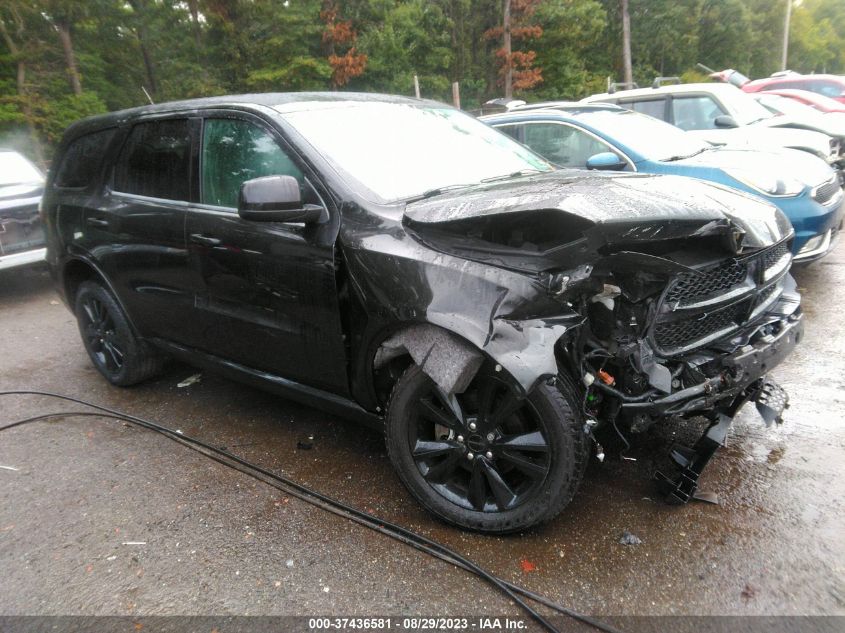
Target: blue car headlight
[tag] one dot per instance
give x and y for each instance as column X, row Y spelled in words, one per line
column 780, row 186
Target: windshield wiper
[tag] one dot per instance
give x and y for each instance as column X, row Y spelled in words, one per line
column 695, row 153
column 515, row 174
column 441, row 190
column 430, row 193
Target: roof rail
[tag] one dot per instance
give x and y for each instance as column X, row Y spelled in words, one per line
column 622, row 85
column 783, row 73
column 659, row 81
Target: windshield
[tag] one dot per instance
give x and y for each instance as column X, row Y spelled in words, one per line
column 743, row 107
column 15, row 169
column 647, row 136
column 399, row 151
column 784, row 105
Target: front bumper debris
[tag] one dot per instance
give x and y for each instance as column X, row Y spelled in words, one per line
column 771, row 401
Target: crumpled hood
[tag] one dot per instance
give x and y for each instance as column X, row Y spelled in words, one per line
column 619, row 211
column 785, row 163
column 601, row 199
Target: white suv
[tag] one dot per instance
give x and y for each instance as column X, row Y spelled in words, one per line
column 721, row 114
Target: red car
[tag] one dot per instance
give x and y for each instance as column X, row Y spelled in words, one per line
column 812, row 99
column 832, row 86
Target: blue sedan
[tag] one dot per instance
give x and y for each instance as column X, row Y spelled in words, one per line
column 582, row 136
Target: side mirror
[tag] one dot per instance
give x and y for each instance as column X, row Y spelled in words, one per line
column 275, row 199
column 725, row 121
column 606, row 161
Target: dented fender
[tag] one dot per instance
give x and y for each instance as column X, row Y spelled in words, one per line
column 508, row 316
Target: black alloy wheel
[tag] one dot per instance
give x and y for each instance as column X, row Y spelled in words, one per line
column 117, row 353
column 100, row 335
column 487, row 459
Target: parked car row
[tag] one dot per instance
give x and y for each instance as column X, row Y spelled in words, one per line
column 21, row 234
column 398, row 261
column 607, row 137
column 765, row 144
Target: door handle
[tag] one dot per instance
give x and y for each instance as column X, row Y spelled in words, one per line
column 97, row 222
column 198, row 238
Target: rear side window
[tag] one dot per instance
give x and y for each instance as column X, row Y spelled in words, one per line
column 653, row 107
column 235, row 151
column 511, row 130
column 80, row 164
column 156, row 161
column 695, row 113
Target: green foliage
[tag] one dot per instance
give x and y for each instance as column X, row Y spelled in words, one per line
column 569, row 27
column 411, row 38
column 57, row 114
column 178, row 49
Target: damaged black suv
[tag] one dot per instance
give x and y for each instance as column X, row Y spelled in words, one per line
column 396, row 261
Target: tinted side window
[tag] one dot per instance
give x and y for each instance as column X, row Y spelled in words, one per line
column 156, row 161
column 236, row 151
column 511, row 130
column 652, row 107
column 82, row 159
column 695, row 113
column 562, row 144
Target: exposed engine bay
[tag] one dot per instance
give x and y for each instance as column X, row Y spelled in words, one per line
column 680, row 317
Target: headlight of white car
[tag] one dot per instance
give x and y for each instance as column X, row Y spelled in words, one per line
column 768, row 184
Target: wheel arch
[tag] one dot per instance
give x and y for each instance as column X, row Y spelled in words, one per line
column 78, row 270
column 445, row 356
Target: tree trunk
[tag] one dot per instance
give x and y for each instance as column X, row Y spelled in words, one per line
column 785, row 50
column 193, row 7
column 138, row 8
column 141, row 34
column 626, row 43
column 70, row 59
column 25, row 105
column 506, row 47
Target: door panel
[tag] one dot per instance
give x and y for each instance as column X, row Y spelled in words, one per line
column 264, row 292
column 136, row 233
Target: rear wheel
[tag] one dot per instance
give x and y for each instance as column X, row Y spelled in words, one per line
column 487, row 460
column 116, row 352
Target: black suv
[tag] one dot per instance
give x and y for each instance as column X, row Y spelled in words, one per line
column 397, row 261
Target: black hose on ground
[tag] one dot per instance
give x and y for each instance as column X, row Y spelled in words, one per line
column 395, row 531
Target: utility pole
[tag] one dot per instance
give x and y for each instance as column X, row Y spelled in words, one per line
column 506, row 42
column 626, row 43
column 786, row 34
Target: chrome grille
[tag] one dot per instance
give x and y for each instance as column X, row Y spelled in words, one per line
column 691, row 287
column 774, row 255
column 699, row 308
column 680, row 333
column 825, row 192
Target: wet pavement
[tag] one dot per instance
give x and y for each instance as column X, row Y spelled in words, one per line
column 104, row 518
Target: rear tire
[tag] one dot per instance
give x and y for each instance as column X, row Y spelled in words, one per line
column 120, row 356
column 498, row 464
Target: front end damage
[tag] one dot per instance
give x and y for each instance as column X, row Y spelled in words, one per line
column 660, row 304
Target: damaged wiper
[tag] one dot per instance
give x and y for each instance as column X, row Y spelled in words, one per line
column 514, row 174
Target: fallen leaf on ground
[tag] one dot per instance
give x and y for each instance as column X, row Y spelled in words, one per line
column 527, row 565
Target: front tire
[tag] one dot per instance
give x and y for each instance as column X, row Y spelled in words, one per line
column 116, row 352
column 486, row 460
